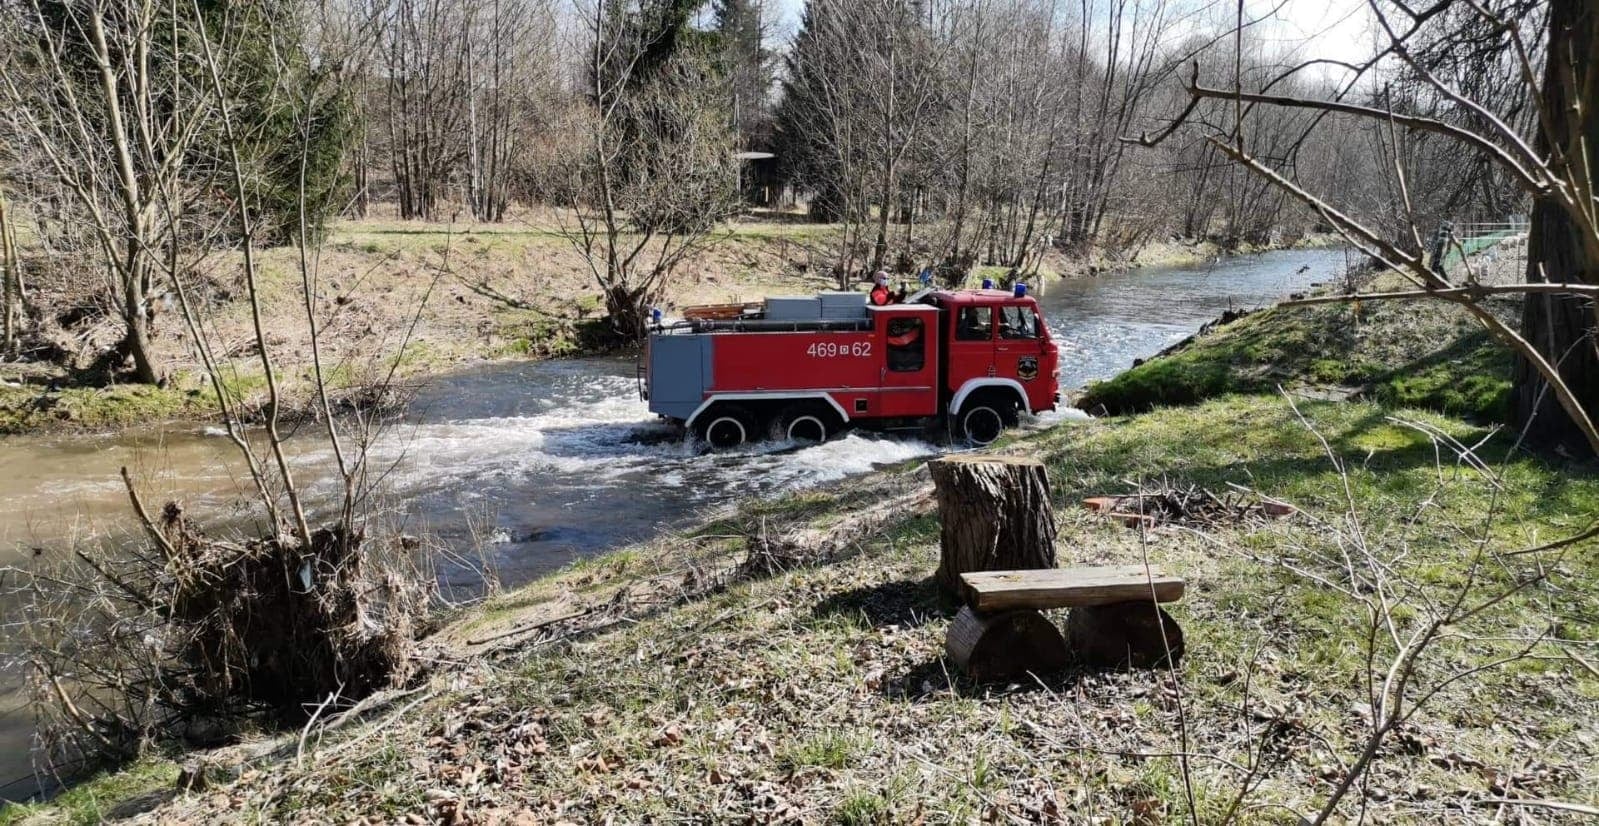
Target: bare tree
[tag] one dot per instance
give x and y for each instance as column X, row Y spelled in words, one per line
column 1563, row 245
column 190, row 632
column 1558, row 349
column 862, row 84
column 426, row 54
column 508, row 77
column 656, row 170
column 95, row 88
column 12, row 290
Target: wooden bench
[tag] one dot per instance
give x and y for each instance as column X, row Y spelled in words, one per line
column 1115, row 620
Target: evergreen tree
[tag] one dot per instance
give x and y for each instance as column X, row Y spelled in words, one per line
column 748, row 66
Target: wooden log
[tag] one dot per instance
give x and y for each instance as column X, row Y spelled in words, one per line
column 1068, row 587
column 1135, row 634
column 994, row 514
column 1005, row 646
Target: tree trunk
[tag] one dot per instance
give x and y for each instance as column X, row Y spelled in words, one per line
column 629, row 313
column 136, row 339
column 1564, row 328
column 995, row 515
column 10, row 283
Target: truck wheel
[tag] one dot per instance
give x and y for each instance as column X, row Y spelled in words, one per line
column 725, row 426
column 801, row 424
column 982, row 423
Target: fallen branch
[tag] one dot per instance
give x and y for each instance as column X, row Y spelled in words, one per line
column 1541, row 804
column 1473, row 292
column 532, row 626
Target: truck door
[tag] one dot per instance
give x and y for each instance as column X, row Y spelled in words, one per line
column 1018, row 352
column 909, row 339
column 971, row 344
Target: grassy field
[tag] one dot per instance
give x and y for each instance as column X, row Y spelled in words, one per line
column 697, row 684
column 409, row 297
column 783, row 661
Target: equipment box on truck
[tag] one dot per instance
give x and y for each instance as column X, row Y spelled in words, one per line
column 973, row 360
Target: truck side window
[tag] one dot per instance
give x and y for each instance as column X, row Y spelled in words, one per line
column 1017, row 322
column 907, row 347
column 975, row 324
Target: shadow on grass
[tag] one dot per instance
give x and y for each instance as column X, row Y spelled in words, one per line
column 905, row 603
column 909, row 604
column 938, row 678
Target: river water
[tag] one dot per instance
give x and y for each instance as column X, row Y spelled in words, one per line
column 540, row 463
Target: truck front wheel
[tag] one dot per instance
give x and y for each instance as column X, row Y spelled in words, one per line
column 982, row 424
column 725, row 426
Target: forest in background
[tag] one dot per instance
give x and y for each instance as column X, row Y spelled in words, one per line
column 933, row 133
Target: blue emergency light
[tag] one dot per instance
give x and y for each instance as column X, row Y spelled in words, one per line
column 655, row 315
column 1020, row 291
column 988, row 283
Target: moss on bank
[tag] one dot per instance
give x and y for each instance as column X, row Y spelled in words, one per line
column 1402, row 355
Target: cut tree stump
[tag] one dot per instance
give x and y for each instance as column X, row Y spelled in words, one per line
column 994, row 514
column 1005, row 646
column 1136, row 634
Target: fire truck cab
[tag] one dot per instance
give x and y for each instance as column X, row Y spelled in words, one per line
column 806, row 368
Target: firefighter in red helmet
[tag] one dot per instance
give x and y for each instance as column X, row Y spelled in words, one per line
column 881, row 295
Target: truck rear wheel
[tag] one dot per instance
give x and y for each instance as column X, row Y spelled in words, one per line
column 725, row 426
column 802, row 423
column 982, row 423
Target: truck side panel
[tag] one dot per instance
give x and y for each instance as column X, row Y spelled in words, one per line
column 680, row 370
column 845, row 365
column 797, row 361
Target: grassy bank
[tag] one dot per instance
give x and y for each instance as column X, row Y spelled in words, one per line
column 1400, row 354
column 694, row 682
column 403, row 297
column 485, row 292
column 784, row 660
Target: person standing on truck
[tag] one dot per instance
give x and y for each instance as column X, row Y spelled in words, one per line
column 881, row 295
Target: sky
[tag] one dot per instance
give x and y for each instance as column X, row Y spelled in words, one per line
column 1312, row 29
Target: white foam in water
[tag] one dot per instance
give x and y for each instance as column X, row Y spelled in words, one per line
column 835, row 459
column 599, row 435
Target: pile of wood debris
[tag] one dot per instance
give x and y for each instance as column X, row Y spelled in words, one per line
column 1191, row 506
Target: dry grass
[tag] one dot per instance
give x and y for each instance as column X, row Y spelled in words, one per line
column 819, row 693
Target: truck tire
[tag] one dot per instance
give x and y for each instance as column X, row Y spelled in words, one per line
column 804, row 424
column 981, row 423
column 725, row 426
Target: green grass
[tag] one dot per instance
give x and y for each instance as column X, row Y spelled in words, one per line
column 861, row 808
column 1471, row 377
column 93, row 408
column 829, row 750
column 823, row 690
column 1406, row 356
column 95, row 800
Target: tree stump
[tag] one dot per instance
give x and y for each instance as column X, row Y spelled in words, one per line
column 1124, row 635
column 1005, row 646
column 994, row 515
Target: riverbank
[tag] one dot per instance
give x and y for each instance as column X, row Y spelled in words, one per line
column 783, row 660
column 1424, row 354
column 411, row 300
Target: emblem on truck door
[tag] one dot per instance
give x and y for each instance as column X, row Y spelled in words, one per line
column 1027, row 368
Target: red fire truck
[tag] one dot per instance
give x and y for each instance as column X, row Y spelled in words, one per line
column 807, row 368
